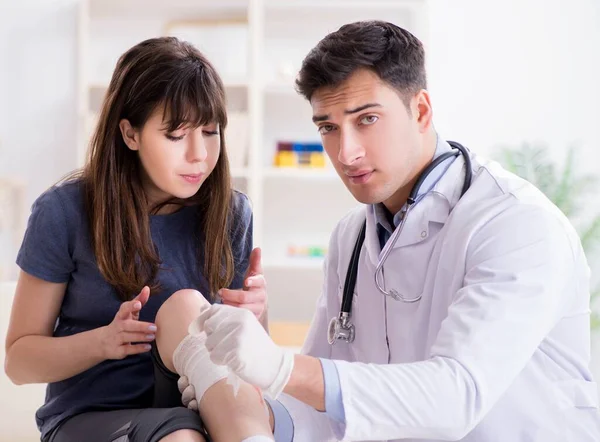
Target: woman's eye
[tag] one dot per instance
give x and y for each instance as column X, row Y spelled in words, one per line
column 369, row 119
column 174, row 138
column 326, row 128
column 210, row 132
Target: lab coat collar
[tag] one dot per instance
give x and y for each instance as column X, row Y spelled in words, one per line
column 449, row 188
column 433, row 206
column 432, row 179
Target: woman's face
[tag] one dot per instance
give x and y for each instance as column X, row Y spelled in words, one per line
column 174, row 164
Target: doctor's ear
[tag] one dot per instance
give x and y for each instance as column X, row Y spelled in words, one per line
column 130, row 134
column 421, row 110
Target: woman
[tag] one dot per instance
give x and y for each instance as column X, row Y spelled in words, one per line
column 108, row 252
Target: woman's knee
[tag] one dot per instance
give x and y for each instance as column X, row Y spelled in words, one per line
column 183, row 303
column 173, row 319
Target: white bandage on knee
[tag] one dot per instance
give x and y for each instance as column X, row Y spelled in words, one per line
column 232, row 378
column 192, row 359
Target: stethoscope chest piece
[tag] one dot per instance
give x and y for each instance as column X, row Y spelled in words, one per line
column 340, row 328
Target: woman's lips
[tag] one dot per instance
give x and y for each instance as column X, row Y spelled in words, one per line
column 193, row 178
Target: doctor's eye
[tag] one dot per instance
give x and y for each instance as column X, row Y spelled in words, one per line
column 326, row 128
column 369, row 119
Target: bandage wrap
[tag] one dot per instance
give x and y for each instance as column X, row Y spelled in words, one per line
column 192, row 359
column 194, row 329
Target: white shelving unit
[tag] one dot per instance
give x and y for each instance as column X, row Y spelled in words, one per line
column 292, row 207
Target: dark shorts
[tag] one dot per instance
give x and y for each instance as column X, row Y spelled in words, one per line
column 136, row 425
column 166, row 416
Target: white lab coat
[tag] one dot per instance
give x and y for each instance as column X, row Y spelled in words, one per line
column 497, row 349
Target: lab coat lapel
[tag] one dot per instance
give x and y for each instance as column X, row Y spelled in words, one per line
column 371, row 238
column 433, row 207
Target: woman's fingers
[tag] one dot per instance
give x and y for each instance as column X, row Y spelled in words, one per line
column 127, row 338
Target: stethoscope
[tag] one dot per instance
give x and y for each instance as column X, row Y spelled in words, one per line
column 341, row 327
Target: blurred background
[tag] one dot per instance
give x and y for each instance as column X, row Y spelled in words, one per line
column 516, row 80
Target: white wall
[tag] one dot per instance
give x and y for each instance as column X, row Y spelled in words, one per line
column 504, row 72
column 37, row 143
column 37, row 92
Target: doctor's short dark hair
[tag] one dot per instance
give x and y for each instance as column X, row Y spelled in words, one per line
column 393, row 53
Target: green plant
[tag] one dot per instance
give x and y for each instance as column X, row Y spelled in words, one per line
column 565, row 188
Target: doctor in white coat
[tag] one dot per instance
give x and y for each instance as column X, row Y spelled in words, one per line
column 487, row 338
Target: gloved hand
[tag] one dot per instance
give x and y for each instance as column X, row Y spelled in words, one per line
column 236, row 339
column 188, row 393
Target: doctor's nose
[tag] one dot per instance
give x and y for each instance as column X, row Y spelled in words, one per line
column 196, row 149
column 350, row 149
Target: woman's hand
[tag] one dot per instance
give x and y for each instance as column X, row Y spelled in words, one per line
column 253, row 296
column 126, row 334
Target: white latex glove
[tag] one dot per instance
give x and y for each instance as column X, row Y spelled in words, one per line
column 235, row 338
column 188, row 393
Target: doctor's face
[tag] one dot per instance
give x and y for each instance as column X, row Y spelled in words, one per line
column 373, row 141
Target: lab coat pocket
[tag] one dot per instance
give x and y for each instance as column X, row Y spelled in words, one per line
column 577, row 393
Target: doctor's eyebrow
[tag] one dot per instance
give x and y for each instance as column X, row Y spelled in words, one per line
column 317, row 118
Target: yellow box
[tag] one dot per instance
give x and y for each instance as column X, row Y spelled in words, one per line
column 317, row 159
column 285, row 159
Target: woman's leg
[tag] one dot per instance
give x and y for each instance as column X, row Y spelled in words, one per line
column 227, row 417
column 183, row 436
column 131, row 425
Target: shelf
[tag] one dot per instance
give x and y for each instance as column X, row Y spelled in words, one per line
column 300, row 173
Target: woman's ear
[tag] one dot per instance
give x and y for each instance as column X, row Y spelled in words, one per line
column 130, row 135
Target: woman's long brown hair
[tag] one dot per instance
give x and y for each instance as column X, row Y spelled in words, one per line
column 172, row 74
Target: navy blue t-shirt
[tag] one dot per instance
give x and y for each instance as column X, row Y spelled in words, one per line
column 57, row 248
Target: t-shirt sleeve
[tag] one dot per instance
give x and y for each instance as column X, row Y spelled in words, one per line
column 241, row 237
column 45, row 251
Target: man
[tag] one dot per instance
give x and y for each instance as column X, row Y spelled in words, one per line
column 487, row 336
